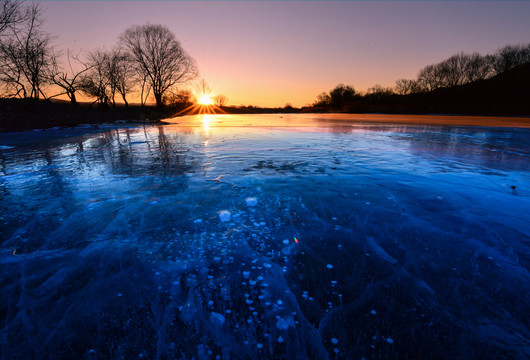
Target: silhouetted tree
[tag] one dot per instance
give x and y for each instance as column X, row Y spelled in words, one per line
column 378, row 91
column 464, row 68
column 95, row 83
column 26, row 56
column 452, row 70
column 323, row 99
column 159, row 58
column 11, row 12
column 478, row 68
column 340, row 96
column 337, row 99
column 509, row 57
column 70, row 79
column 125, row 80
column 430, row 78
column 405, row 87
column 145, row 89
column 11, row 69
column 120, row 76
column 289, row 108
column 220, row 100
column 179, row 97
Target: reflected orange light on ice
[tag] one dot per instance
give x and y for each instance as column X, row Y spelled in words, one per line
column 206, row 123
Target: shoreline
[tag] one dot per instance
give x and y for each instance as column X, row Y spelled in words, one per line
column 313, row 119
column 343, row 119
column 24, row 115
column 443, row 120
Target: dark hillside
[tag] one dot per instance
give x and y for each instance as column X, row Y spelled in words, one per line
column 507, row 94
column 504, row 94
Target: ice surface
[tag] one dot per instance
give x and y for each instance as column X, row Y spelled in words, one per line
column 380, row 251
column 251, row 201
column 225, row 215
column 331, row 240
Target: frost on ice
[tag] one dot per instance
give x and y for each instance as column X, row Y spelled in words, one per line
column 251, row 201
column 113, row 244
column 225, row 215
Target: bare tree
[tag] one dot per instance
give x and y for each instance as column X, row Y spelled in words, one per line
column 178, row 97
column 95, row 82
column 406, row 86
column 431, row 77
column 119, row 72
column 11, row 70
column 378, row 91
column 220, row 100
column 452, row 70
column 123, row 75
column 509, row 57
column 145, row 90
column 456, row 70
column 159, row 58
column 463, row 68
column 478, row 67
column 11, row 12
column 26, row 56
column 70, row 79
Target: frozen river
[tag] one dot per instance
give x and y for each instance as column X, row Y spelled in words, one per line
column 267, row 236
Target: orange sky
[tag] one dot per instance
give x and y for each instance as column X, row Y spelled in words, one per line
column 272, row 53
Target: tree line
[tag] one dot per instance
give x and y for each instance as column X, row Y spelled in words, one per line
column 459, row 69
column 464, row 68
column 147, row 59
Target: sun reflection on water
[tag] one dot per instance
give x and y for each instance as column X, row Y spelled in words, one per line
column 206, row 119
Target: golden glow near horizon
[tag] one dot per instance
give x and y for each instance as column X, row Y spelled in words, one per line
column 205, row 99
column 204, row 104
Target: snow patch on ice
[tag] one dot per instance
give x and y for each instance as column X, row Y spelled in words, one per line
column 251, row 201
column 225, row 215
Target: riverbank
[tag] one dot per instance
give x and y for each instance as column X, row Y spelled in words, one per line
column 21, row 115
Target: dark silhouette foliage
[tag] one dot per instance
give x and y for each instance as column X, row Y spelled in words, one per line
column 337, row 99
column 340, row 96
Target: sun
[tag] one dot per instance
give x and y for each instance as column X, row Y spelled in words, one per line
column 205, row 99
column 204, row 102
